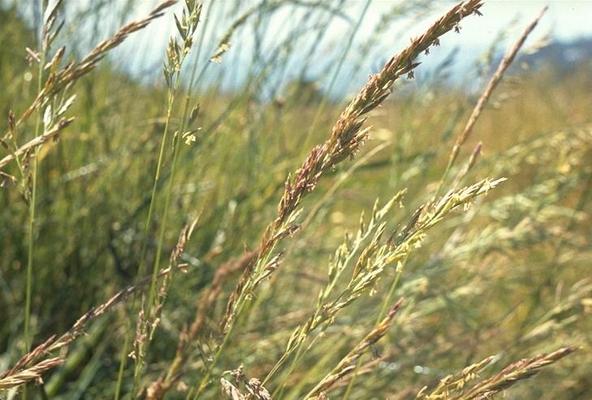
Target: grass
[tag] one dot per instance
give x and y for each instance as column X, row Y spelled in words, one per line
column 177, row 240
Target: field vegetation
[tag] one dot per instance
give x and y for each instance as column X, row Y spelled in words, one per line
column 164, row 238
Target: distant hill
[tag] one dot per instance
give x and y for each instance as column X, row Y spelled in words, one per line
column 563, row 56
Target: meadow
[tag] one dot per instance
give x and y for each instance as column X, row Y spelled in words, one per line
column 416, row 239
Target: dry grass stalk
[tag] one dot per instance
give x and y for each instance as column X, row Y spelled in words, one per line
column 512, row 374
column 37, row 142
column 231, row 391
column 475, row 154
column 348, row 364
column 34, row 373
column 454, row 383
column 453, row 387
column 345, row 139
column 491, row 85
column 254, row 387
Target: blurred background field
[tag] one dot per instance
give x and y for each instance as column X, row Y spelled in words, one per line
column 507, row 276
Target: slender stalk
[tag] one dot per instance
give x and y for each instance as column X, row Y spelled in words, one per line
column 176, row 54
column 484, row 98
column 156, row 263
column 159, row 163
column 32, row 202
column 153, row 280
column 278, row 393
column 176, row 151
column 378, row 331
column 383, row 310
column 141, row 268
column 121, row 369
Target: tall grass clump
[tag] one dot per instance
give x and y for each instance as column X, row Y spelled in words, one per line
column 170, row 230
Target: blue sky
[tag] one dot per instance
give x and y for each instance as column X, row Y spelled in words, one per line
column 565, row 20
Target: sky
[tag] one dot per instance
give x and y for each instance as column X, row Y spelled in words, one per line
column 565, row 20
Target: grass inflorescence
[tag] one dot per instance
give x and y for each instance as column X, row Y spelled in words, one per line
column 169, row 237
